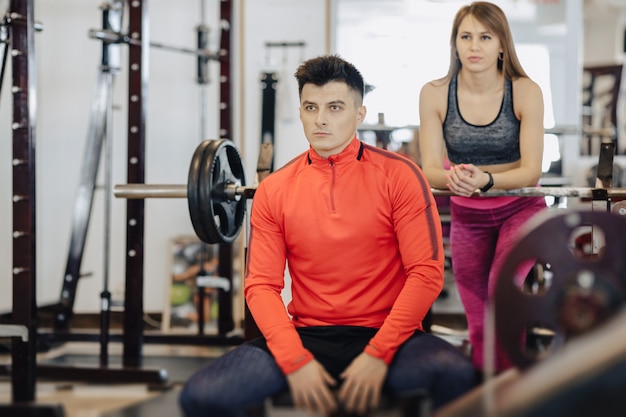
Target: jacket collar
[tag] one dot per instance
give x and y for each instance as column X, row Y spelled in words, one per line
column 351, row 152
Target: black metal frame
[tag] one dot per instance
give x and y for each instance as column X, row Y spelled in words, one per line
column 24, row 228
column 24, row 89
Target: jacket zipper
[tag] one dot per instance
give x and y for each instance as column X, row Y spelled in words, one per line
column 332, row 184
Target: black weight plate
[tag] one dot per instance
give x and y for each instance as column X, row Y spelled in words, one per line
column 223, row 215
column 547, row 237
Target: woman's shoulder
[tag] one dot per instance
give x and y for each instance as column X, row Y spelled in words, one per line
column 437, row 85
column 525, row 84
column 526, row 89
column 527, row 96
column 435, row 89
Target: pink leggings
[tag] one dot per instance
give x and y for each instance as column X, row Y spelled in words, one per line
column 479, row 242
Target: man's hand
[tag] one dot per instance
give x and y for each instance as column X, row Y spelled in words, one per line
column 362, row 383
column 310, row 389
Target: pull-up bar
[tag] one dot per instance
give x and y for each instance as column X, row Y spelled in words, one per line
column 109, row 36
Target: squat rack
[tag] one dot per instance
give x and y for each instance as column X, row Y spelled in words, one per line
column 133, row 335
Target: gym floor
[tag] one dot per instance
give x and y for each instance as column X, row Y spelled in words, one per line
column 119, row 399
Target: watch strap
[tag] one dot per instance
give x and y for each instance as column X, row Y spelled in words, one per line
column 489, row 183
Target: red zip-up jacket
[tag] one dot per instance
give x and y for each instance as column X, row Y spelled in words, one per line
column 361, row 236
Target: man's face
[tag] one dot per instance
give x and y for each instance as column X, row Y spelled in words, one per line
column 330, row 115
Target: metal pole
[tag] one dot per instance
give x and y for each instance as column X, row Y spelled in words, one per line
column 138, row 71
column 23, row 354
column 112, row 19
column 203, row 82
column 203, row 68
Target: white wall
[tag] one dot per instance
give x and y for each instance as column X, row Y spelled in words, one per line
column 278, row 21
column 605, row 23
column 67, row 66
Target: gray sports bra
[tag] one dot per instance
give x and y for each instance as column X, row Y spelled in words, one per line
column 494, row 143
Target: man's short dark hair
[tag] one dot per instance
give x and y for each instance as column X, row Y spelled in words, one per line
column 327, row 68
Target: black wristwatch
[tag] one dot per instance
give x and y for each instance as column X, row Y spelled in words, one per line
column 489, row 183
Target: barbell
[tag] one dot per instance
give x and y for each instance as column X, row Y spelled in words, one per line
column 216, row 191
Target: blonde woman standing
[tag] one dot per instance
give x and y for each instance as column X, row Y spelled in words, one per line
column 486, row 117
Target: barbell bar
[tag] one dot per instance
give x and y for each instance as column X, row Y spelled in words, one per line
column 216, row 192
column 141, row 191
column 577, row 192
column 109, row 36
